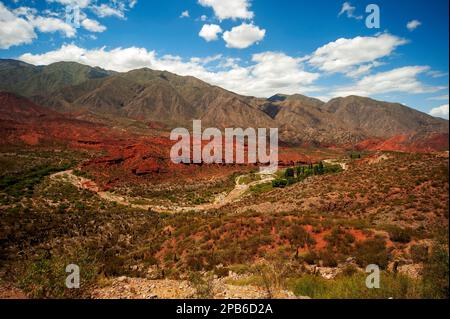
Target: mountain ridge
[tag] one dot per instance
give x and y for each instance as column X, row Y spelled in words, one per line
column 148, row 95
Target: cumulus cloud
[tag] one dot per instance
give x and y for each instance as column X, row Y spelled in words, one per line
column 50, row 24
column 362, row 69
column 111, row 8
column 267, row 74
column 210, row 32
column 349, row 10
column 440, row 111
column 397, row 80
column 185, row 14
column 348, row 55
column 79, row 3
column 92, row 25
column 243, row 36
column 20, row 26
column 25, row 12
column 14, row 30
column 104, row 10
column 229, row 9
column 414, row 24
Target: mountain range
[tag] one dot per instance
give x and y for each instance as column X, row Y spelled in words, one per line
column 149, row 96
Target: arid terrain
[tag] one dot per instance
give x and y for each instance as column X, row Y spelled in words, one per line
column 86, row 179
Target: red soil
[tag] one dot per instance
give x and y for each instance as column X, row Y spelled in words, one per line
column 407, row 143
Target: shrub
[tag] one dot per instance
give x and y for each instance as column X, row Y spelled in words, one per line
column 291, row 181
column 221, row 272
column 279, row 183
column 349, row 270
column 310, row 286
column 204, row 285
column 45, row 276
column 261, row 188
column 330, row 169
column 310, row 257
column 372, row 251
column 328, row 259
column 400, row 235
column 435, row 274
column 299, row 238
column 354, row 287
column 419, row 253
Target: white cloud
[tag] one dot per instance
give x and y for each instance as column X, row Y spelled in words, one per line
column 79, row 3
column 437, row 74
column 204, row 61
column 132, row 3
column 267, row 74
column 104, row 10
column 277, row 72
column 414, row 24
column 185, row 14
column 114, row 8
column 203, row 18
column 349, row 10
column 50, row 24
column 347, row 55
column 229, row 9
column 13, row 29
column 397, row 80
column 92, row 25
column 47, row 24
column 362, row 69
column 118, row 59
column 243, row 36
column 19, row 26
column 440, row 111
column 439, row 98
column 25, row 12
column 210, row 32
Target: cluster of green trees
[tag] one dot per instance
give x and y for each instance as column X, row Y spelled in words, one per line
column 23, row 184
column 299, row 173
column 354, row 155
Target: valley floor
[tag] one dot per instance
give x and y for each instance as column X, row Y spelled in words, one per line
column 219, row 200
column 238, row 237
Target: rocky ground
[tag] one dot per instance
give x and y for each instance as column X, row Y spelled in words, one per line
column 139, row 288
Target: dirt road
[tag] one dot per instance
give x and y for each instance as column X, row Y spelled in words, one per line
column 220, row 200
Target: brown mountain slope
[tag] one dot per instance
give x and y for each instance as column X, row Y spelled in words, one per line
column 301, row 119
column 382, row 119
column 146, row 95
column 149, row 95
column 28, row 80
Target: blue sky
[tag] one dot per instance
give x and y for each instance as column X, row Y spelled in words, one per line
column 261, row 47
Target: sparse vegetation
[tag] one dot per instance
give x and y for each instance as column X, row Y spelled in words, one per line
column 319, row 223
column 354, row 287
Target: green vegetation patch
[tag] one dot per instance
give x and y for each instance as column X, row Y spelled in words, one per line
column 23, row 184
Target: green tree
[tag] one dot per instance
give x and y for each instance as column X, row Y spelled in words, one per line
column 321, row 168
column 298, row 171
column 289, row 173
column 316, row 170
column 279, row 183
column 299, row 238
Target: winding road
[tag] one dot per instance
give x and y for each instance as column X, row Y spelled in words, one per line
column 220, row 200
